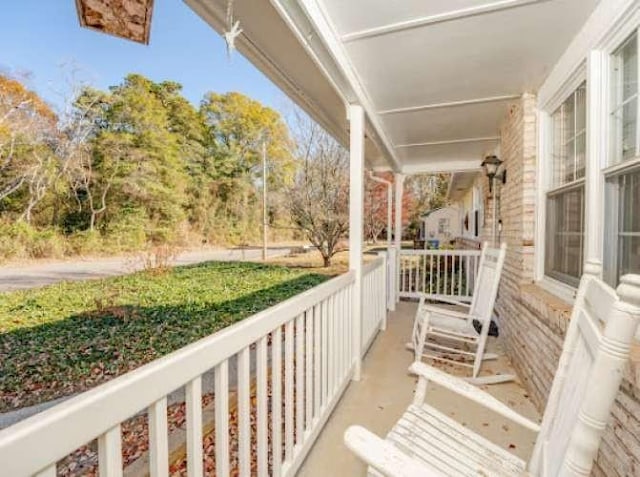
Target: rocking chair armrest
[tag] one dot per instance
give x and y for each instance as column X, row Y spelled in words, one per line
column 436, row 310
column 469, row 391
column 450, row 301
column 384, row 456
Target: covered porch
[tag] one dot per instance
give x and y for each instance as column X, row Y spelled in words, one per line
column 386, row 389
column 412, row 88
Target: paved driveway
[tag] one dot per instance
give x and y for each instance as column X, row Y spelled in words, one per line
column 41, row 274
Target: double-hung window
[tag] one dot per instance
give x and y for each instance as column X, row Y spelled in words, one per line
column 622, row 176
column 565, row 197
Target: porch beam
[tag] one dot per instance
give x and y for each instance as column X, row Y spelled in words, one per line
column 438, row 18
column 450, row 104
column 442, row 166
column 449, row 141
column 397, row 236
column 356, row 224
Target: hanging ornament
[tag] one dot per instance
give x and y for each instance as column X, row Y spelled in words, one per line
column 233, row 30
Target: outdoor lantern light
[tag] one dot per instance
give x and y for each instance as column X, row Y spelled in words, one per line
column 491, row 164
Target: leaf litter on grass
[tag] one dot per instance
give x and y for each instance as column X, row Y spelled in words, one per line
column 69, row 337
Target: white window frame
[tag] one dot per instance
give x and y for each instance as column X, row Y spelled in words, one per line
column 618, row 166
column 607, row 28
column 545, row 179
column 553, row 188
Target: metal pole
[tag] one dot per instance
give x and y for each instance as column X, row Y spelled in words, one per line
column 264, row 200
column 399, row 183
column 495, row 212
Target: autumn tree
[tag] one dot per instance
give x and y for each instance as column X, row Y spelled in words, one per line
column 319, row 198
column 424, row 192
column 28, row 139
column 375, row 207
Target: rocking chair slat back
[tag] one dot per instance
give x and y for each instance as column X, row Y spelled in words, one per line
column 589, row 373
column 487, row 282
column 485, row 294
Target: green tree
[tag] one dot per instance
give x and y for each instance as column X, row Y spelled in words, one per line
column 137, row 155
column 236, row 127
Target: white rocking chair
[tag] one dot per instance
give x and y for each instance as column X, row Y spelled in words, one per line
column 425, row 442
column 464, row 346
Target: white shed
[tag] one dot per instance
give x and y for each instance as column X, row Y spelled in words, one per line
column 442, row 225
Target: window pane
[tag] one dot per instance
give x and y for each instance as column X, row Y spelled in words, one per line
column 629, row 115
column 581, row 131
column 559, row 158
column 569, row 165
column 565, row 235
column 569, row 118
column 625, row 258
column 624, row 110
column 569, row 129
column 581, row 108
column 581, row 146
column 629, row 55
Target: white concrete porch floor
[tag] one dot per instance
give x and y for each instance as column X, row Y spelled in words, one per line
column 386, row 389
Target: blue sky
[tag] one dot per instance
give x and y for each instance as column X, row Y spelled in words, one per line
column 38, row 36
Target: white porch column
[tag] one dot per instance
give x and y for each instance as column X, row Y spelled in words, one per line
column 595, row 158
column 356, row 224
column 399, row 181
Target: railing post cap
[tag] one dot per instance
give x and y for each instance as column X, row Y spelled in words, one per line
column 629, row 290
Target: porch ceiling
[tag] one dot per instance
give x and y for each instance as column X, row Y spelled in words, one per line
column 435, row 78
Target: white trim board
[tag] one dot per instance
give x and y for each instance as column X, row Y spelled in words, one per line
column 475, row 10
column 449, row 141
column 450, row 104
column 438, row 167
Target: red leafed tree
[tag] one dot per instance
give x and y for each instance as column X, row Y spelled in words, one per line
column 375, row 207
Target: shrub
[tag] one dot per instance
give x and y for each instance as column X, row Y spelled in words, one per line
column 84, row 243
column 21, row 240
column 160, row 257
column 126, row 232
column 12, row 242
column 47, row 243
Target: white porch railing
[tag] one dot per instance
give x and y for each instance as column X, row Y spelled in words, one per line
column 374, row 306
column 444, row 275
column 303, row 357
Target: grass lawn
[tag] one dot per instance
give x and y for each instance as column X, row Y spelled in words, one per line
column 68, row 337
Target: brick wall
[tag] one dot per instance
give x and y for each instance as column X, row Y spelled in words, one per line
column 533, row 321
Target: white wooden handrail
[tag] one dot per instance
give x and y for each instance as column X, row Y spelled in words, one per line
column 441, row 275
column 442, row 252
column 33, row 446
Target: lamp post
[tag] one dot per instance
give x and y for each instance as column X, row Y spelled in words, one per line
column 491, row 164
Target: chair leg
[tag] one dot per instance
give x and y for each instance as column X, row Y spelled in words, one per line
column 493, row 379
column 421, row 338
